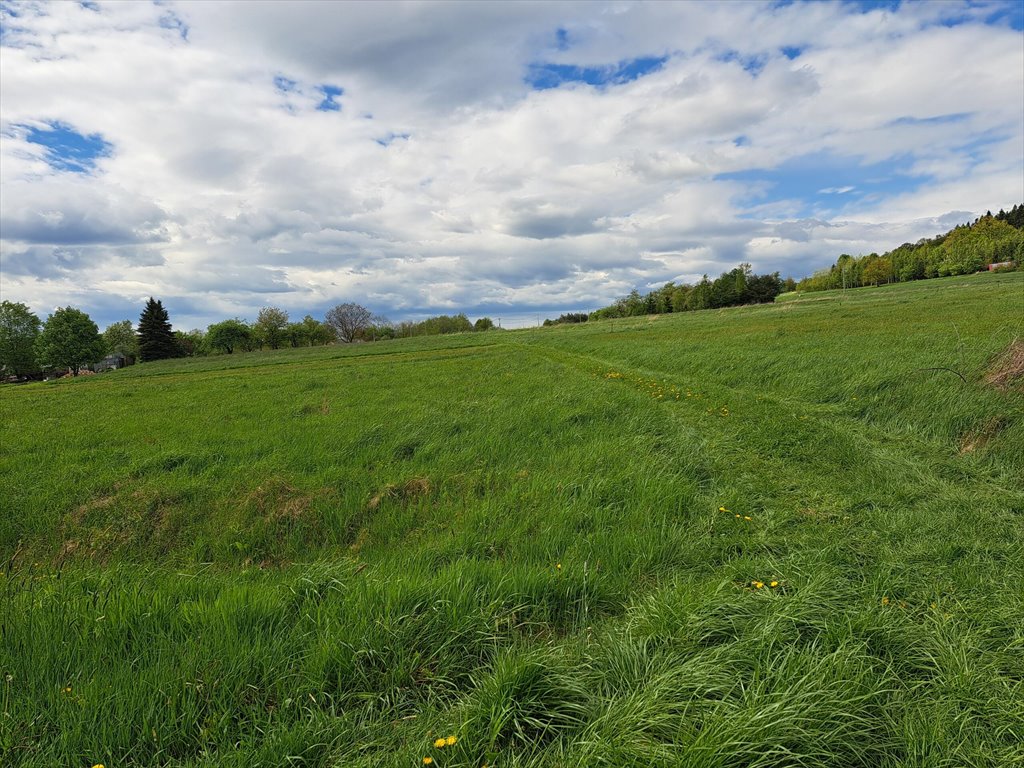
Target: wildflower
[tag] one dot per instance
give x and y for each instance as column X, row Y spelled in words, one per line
column 99, row 765
column 722, row 509
column 428, row 760
column 66, row 690
column 885, row 601
column 737, row 516
column 439, row 743
column 757, row 584
column 747, row 517
column 774, row 584
column 450, row 740
column 558, row 566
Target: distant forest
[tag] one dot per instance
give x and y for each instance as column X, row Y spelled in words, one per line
column 963, row 250
column 990, row 239
column 732, row 288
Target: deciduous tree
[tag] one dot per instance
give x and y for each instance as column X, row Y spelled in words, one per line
column 120, row 338
column 348, row 320
column 69, row 339
column 271, row 325
column 19, row 328
column 228, row 335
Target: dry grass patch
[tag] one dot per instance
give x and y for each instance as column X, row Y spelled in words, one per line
column 978, row 438
column 411, row 489
column 1008, row 369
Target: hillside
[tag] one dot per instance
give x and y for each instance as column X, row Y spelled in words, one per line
column 779, row 535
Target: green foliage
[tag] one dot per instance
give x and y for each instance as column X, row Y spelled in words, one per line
column 229, row 335
column 529, row 540
column 1015, row 216
column 271, row 327
column 483, row 324
column 120, row 338
column 735, row 287
column 569, row 318
column 961, row 251
column 19, row 328
column 156, row 339
column 69, row 340
column 435, row 326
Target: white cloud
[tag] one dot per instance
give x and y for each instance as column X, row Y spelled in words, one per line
column 223, row 192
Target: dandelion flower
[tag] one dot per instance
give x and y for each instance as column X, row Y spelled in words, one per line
column 747, row 517
column 885, row 601
column 439, row 742
column 558, row 566
column 450, row 740
column 99, row 765
column 774, row 584
column 66, row 690
column 428, row 760
column 722, row 509
column 757, row 584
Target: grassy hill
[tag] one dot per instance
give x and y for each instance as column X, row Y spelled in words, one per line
column 784, row 535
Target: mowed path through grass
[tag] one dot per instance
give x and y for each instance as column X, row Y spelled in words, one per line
column 761, row 536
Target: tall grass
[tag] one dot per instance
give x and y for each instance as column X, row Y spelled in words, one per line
column 752, row 537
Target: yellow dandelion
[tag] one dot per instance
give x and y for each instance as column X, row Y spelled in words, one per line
column 558, row 566
column 450, row 740
column 747, row 517
column 428, row 760
column 99, row 765
column 439, row 743
column 737, row 516
column 757, row 584
column 66, row 690
column 885, row 601
column 774, row 584
column 722, row 509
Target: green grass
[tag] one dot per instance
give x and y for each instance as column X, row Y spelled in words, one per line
column 331, row 557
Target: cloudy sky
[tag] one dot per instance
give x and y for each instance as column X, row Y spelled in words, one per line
column 509, row 159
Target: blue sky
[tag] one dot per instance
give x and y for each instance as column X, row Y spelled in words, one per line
column 506, row 159
column 66, row 149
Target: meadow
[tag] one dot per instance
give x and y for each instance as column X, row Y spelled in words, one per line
column 782, row 535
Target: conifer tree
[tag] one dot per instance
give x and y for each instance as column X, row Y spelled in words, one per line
column 156, row 339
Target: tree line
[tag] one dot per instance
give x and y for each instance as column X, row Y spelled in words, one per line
column 965, row 249
column 69, row 340
column 733, row 288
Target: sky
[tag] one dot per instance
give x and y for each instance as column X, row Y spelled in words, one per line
column 515, row 160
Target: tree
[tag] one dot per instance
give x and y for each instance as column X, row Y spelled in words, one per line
column 228, row 334
column 156, row 339
column 270, row 327
column 69, row 339
column 19, row 328
column 483, row 324
column 120, row 338
column 192, row 343
column 348, row 320
column 317, row 332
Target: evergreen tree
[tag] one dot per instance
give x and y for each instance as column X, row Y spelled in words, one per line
column 156, row 339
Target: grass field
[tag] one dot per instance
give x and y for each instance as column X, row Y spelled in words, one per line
column 783, row 535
